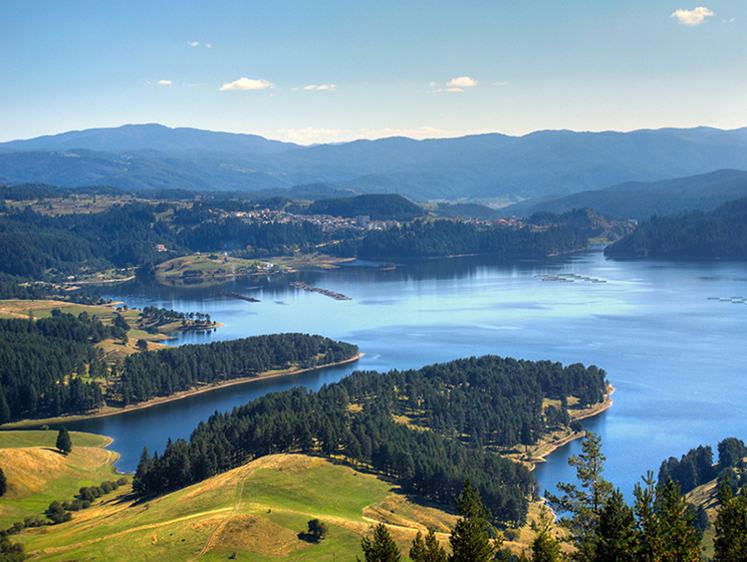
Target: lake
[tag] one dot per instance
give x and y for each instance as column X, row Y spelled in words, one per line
column 669, row 334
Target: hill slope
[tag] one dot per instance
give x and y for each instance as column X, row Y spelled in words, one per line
column 260, row 510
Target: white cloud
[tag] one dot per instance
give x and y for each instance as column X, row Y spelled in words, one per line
column 247, row 84
column 194, row 43
column 165, row 82
column 330, row 87
column 692, row 17
column 461, row 82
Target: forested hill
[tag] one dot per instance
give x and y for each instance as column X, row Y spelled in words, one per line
column 377, row 207
column 721, row 233
column 429, row 428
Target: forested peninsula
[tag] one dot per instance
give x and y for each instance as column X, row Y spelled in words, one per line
column 429, row 429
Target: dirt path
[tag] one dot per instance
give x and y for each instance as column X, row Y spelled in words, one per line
column 238, row 502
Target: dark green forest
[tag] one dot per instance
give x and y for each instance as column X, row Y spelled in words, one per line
column 38, row 359
column 51, row 366
column 150, row 374
column 460, row 414
column 721, row 233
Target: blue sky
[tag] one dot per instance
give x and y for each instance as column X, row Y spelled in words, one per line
column 327, row 71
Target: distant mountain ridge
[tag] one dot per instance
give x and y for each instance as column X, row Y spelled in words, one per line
column 491, row 169
column 149, row 136
column 641, row 200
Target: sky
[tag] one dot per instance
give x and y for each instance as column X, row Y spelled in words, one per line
column 332, row 71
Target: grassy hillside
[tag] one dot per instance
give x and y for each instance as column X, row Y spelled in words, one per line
column 37, row 473
column 259, row 511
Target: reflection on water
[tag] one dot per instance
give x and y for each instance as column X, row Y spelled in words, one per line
column 672, row 354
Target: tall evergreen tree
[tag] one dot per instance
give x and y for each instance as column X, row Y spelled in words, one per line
column 428, row 549
column 64, row 443
column 545, row 547
column 665, row 529
column 583, row 505
column 730, row 542
column 381, row 547
column 616, row 534
column 470, row 538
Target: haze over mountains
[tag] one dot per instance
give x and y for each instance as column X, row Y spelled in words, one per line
column 492, row 168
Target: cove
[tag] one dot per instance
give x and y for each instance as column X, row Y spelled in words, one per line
column 669, row 334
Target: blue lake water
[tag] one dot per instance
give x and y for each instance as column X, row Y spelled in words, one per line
column 669, row 334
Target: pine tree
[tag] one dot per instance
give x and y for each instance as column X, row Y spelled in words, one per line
column 616, row 531
column 584, row 504
column 381, row 547
column 470, row 538
column 64, row 443
column 3, row 483
column 730, row 543
column 545, row 547
column 428, row 549
column 665, row 527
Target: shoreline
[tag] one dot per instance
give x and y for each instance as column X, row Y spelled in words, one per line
column 30, row 424
column 553, row 446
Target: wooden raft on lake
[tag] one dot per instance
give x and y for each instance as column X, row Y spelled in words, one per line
column 236, row 296
column 305, row 287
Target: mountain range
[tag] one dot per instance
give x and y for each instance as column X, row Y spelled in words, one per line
column 491, row 169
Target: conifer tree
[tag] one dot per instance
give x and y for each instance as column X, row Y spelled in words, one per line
column 470, row 538
column 381, row 547
column 583, row 505
column 64, row 443
column 428, row 549
column 730, row 543
column 3, row 483
column 545, row 547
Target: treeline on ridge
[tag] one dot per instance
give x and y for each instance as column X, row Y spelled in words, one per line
column 459, row 416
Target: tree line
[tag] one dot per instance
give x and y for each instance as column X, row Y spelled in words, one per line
column 459, row 414
column 36, row 246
